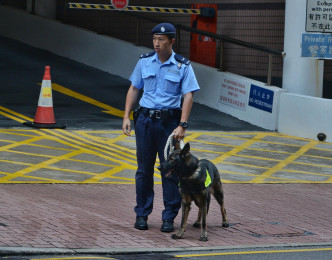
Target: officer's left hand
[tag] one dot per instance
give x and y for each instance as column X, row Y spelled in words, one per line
column 179, row 133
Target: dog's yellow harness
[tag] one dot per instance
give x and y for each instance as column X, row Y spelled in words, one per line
column 207, row 182
column 208, row 179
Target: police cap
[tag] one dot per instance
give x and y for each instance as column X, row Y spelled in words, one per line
column 164, row 28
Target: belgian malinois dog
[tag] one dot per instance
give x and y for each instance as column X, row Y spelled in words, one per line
column 198, row 180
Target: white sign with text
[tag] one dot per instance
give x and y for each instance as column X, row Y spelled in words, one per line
column 319, row 16
column 234, row 92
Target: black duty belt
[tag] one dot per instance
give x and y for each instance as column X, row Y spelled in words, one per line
column 160, row 113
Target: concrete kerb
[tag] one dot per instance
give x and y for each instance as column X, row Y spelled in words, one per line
column 12, row 251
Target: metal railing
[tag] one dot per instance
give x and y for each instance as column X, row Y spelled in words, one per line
column 271, row 52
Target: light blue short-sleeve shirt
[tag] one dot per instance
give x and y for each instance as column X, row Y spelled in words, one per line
column 163, row 83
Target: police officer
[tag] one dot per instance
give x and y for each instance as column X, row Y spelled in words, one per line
column 164, row 77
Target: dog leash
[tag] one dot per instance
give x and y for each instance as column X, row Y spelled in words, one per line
column 171, row 147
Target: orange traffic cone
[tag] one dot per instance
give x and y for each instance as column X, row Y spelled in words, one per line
column 44, row 117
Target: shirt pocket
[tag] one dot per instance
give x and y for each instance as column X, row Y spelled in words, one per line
column 172, row 84
column 149, row 79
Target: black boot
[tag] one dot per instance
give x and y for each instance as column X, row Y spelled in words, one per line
column 141, row 223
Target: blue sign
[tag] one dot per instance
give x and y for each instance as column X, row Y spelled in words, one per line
column 261, row 98
column 317, row 45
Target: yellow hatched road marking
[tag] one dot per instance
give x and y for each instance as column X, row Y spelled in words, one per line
column 123, row 165
column 192, row 137
column 110, row 141
column 108, row 174
column 257, row 252
column 37, row 166
column 239, row 148
column 285, row 162
column 112, row 151
column 88, row 148
column 108, row 149
column 55, row 159
column 28, row 141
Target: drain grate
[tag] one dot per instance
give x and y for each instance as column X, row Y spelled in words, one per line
column 271, row 229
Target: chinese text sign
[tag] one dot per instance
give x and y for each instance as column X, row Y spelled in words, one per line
column 317, row 45
column 319, row 16
column 261, row 98
column 233, row 93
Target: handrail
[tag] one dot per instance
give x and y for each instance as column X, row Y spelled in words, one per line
column 231, row 40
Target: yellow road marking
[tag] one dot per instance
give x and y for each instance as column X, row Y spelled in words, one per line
column 108, row 174
column 88, row 148
column 239, row 148
column 11, row 117
column 109, row 141
column 285, row 162
column 108, row 149
column 257, row 252
column 28, row 141
column 117, row 169
column 16, row 114
column 109, row 109
column 102, row 146
column 72, row 258
column 38, row 166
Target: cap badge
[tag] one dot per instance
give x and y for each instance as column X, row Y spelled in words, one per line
column 162, row 29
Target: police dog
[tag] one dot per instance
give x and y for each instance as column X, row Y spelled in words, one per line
column 198, row 180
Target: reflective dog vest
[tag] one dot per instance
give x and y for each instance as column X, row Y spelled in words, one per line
column 208, row 179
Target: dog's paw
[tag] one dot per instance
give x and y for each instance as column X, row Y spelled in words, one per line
column 225, row 224
column 203, row 238
column 197, row 224
column 174, row 236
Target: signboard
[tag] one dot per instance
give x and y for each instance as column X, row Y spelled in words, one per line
column 319, row 16
column 317, row 45
column 233, row 93
column 120, row 4
column 261, row 98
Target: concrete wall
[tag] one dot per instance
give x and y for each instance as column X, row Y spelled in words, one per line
column 217, row 88
column 305, row 116
column 212, row 81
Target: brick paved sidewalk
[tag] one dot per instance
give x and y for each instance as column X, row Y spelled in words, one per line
column 101, row 216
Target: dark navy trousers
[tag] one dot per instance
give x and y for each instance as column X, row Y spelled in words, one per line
column 151, row 138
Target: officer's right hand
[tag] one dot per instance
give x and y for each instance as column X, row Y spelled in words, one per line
column 126, row 126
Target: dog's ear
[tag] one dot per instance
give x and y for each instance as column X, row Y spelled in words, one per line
column 184, row 152
column 187, row 147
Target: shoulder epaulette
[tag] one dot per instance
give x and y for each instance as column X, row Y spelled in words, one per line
column 181, row 59
column 146, row 55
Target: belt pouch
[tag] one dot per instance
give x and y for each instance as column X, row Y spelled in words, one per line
column 136, row 114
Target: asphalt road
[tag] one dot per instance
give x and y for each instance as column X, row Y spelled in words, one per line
column 269, row 253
